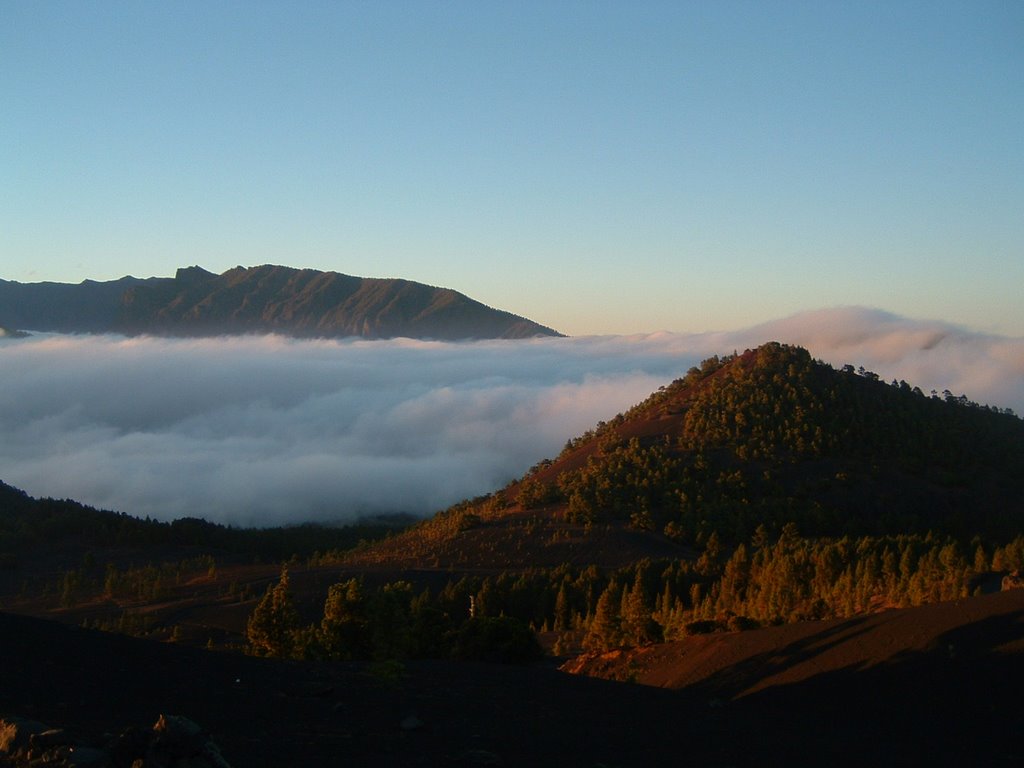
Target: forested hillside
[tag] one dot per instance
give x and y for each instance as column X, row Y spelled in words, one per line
column 28, row 524
column 789, row 489
column 773, row 437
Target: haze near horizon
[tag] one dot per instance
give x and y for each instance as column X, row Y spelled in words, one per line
column 596, row 167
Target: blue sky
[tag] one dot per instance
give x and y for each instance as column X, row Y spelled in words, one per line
column 597, row 167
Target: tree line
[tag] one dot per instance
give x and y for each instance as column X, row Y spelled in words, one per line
column 393, row 621
column 761, row 582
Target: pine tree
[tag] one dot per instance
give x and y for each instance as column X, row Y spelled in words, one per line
column 980, row 560
column 272, row 627
column 604, row 632
column 342, row 632
column 638, row 627
column 562, row 610
column 391, row 621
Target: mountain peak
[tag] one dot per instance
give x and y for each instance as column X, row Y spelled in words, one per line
column 193, row 274
column 769, row 436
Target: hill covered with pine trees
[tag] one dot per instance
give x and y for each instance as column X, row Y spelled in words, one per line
column 748, row 442
column 760, row 488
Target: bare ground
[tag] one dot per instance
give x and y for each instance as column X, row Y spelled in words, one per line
column 938, row 685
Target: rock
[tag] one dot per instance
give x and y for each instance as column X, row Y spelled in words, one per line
column 173, row 742
column 181, row 743
column 474, row 757
column 54, row 737
column 130, row 744
column 88, row 757
column 1013, row 580
column 16, row 734
column 412, row 723
column 178, row 736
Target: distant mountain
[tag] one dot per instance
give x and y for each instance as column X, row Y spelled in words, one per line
column 88, row 307
column 265, row 299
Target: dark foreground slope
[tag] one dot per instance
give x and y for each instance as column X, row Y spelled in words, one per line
column 265, row 713
column 264, row 299
column 933, row 685
column 948, row 698
column 741, row 664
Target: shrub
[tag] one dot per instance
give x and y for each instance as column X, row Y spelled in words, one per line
column 498, row 639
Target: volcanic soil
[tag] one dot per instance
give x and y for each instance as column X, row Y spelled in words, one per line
column 938, row 685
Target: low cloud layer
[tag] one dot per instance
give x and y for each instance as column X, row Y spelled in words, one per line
column 268, row 430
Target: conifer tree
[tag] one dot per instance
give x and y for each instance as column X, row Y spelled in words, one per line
column 343, row 629
column 562, row 611
column 605, row 629
column 637, row 625
column 273, row 625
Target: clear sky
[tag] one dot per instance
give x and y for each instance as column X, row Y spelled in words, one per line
column 598, row 167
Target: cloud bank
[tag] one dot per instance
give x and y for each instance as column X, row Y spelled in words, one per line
column 269, row 430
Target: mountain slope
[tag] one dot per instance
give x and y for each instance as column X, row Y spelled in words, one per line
column 773, row 436
column 768, row 437
column 265, row 299
column 738, row 664
column 918, row 686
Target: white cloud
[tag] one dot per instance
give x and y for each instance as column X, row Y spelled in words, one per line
column 267, row 430
column 928, row 354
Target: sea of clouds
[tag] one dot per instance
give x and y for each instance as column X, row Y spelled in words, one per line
column 270, row 430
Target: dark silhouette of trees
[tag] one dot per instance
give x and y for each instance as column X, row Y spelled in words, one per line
column 273, row 625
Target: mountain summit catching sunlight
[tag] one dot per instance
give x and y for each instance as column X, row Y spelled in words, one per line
column 765, row 438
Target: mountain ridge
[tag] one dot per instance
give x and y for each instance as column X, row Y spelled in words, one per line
column 269, row 298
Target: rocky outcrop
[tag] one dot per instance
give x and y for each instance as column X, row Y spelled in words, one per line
column 1013, row 580
column 173, row 742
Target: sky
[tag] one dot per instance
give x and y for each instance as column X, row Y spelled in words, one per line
column 268, row 430
column 598, row 167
